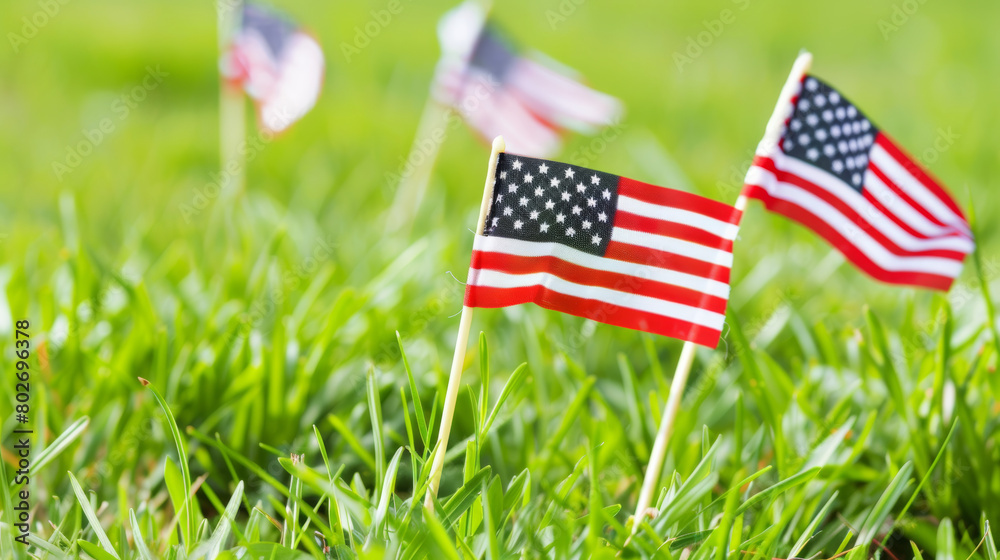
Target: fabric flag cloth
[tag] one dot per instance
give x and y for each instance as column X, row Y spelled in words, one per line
column 833, row 171
column 606, row 248
column 500, row 91
column 279, row 65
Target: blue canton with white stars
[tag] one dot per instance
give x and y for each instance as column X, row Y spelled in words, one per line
column 547, row 201
column 829, row 132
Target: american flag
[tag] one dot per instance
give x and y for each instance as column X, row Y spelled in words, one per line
column 606, row 248
column 833, row 171
column 279, row 65
column 499, row 91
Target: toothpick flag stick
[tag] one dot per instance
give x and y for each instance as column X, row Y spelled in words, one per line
column 232, row 106
column 416, row 169
column 657, row 456
column 458, row 361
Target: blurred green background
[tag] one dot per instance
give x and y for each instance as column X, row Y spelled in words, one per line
column 119, row 283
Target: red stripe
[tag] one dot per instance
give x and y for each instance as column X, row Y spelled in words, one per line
column 603, row 312
column 849, row 250
column 874, row 168
column 514, row 264
column 903, row 223
column 677, row 230
column 861, row 221
column 678, row 199
column 662, row 259
column 914, row 168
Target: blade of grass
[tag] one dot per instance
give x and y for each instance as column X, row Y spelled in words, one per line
column 7, row 537
column 883, row 507
column 140, row 544
column 224, row 525
column 187, row 528
column 88, row 511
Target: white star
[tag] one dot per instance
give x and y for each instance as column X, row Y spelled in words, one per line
column 840, row 113
column 829, row 150
column 819, row 100
column 528, row 178
column 595, row 180
column 602, row 217
column 507, row 211
column 503, row 174
column 570, row 232
column 518, row 224
column 495, row 220
column 580, row 188
column 852, row 111
column 812, row 153
column 796, row 124
column 586, row 224
column 827, row 115
column 570, row 172
column 554, row 182
column 534, row 214
column 539, row 191
column 517, row 165
column 512, row 188
column 812, row 84
column 812, row 119
column 856, row 178
column 834, row 97
column 804, row 139
column 565, row 195
column 838, row 166
column 549, row 204
column 821, row 135
column 804, row 105
column 543, row 168
column 592, row 202
column 560, row 217
column 524, row 201
column 606, row 195
column 577, row 210
column 543, row 227
column 499, row 197
column 596, row 240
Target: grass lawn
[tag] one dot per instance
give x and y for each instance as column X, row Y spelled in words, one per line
column 296, row 354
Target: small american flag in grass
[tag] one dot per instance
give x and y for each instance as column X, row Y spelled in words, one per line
column 606, row 248
column 499, row 90
column 836, row 173
column 278, row 64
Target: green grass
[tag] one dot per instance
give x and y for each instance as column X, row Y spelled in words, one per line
column 297, row 355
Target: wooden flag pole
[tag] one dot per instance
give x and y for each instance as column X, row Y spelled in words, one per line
column 461, row 343
column 772, row 134
column 659, row 453
column 232, row 108
column 431, row 133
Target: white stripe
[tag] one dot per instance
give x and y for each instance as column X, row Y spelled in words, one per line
column 671, row 245
column 520, row 248
column 878, row 254
column 914, row 188
column 696, row 315
column 868, row 212
column 724, row 230
column 895, row 204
